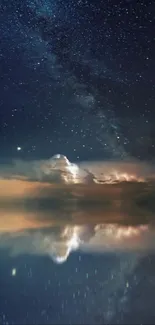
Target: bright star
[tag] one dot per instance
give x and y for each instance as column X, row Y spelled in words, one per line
column 19, row 148
column 13, row 272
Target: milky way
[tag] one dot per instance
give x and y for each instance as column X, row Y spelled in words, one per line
column 77, row 78
column 83, row 68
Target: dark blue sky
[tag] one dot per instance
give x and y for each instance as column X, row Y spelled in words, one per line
column 77, row 78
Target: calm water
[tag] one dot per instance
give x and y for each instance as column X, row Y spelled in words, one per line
column 79, row 255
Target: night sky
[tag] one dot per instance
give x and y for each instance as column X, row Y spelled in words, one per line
column 77, row 78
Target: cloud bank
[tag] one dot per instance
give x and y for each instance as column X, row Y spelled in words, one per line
column 58, row 169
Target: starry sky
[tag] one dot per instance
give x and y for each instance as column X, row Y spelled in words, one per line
column 77, row 78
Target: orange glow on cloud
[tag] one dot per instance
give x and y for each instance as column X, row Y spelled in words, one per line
column 19, row 188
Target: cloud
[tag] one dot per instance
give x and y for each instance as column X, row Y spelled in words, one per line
column 121, row 191
column 58, row 169
column 54, row 207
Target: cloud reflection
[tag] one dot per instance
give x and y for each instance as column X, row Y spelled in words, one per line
column 47, row 216
column 59, row 242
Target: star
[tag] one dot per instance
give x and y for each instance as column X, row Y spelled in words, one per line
column 19, row 148
column 13, row 272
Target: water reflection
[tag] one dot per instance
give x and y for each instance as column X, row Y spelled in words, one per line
column 59, row 242
column 77, row 248
column 57, row 220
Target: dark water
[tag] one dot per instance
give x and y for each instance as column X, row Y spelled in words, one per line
column 71, row 259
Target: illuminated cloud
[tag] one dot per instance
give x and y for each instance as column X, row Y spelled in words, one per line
column 59, row 170
column 62, row 169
